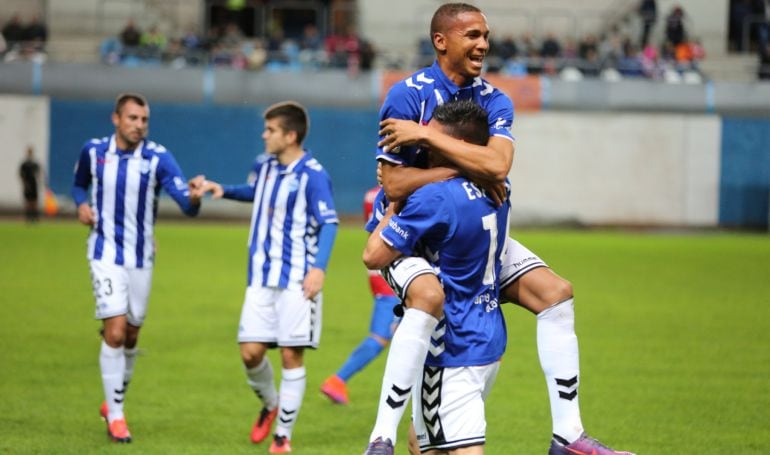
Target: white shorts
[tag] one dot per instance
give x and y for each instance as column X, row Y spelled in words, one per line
column 401, row 272
column 121, row 291
column 517, row 261
column 448, row 407
column 281, row 317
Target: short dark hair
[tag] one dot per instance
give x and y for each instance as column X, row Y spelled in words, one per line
column 123, row 98
column 292, row 116
column 464, row 120
column 447, row 12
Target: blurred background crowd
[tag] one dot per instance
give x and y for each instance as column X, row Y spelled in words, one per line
column 666, row 47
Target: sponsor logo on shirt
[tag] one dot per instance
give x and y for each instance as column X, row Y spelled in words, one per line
column 324, row 209
column 398, row 229
column 180, row 184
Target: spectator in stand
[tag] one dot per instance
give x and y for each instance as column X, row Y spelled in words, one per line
column 760, row 29
column 275, row 51
column 153, row 43
column 550, row 47
column 343, row 49
column 368, row 54
column 675, row 29
column 311, row 44
column 506, row 48
column 764, row 63
column 631, row 65
column 611, row 49
column 739, row 11
column 648, row 13
column 550, row 51
column 587, row 45
column 35, row 35
column 130, row 38
column 650, row 62
column 13, row 32
column 192, row 46
column 232, row 37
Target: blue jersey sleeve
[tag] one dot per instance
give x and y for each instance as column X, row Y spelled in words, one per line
column 378, row 211
column 82, row 177
column 319, row 197
column 424, row 215
column 172, row 180
column 402, row 102
column 243, row 192
column 500, row 115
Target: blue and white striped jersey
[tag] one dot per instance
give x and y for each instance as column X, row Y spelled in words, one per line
column 290, row 205
column 125, row 186
column 416, row 97
column 462, row 233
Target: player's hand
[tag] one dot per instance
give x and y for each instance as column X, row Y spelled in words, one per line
column 497, row 192
column 86, row 214
column 399, row 132
column 207, row 186
column 314, row 282
column 196, row 182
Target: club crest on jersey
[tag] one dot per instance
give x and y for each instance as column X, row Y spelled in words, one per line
column 291, row 183
column 144, row 167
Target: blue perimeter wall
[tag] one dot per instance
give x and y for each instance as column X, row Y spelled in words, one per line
column 222, row 142
column 744, row 189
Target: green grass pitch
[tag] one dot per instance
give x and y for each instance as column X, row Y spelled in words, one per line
column 674, row 337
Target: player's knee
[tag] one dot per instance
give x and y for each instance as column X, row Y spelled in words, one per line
column 562, row 290
column 250, row 357
column 427, row 296
column 114, row 337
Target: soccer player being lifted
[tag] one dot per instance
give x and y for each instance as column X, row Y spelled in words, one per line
column 459, row 33
column 462, row 232
column 126, row 172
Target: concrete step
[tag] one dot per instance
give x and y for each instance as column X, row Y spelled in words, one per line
column 730, row 67
column 74, row 48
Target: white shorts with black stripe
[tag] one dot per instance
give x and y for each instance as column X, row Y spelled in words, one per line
column 401, row 272
column 448, row 407
column 517, row 261
column 282, row 317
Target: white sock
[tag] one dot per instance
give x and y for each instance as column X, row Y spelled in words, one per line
column 130, row 361
column 260, row 379
column 292, row 391
column 112, row 363
column 557, row 347
column 406, row 358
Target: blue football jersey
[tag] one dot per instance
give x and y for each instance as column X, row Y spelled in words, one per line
column 456, row 227
column 125, row 186
column 290, row 205
column 416, row 97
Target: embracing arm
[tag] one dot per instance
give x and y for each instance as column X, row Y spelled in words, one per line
column 377, row 253
column 401, row 181
column 484, row 163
